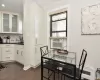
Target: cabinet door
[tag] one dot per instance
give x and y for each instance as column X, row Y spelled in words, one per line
column 21, row 57
column 7, row 54
column 0, row 55
column 37, row 55
column 17, row 55
column 0, row 21
column 6, row 23
column 14, row 23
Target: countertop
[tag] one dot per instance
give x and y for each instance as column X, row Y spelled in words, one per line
column 13, row 43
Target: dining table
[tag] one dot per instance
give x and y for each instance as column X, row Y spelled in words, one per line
column 55, row 61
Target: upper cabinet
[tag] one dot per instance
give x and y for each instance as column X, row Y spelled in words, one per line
column 0, row 22
column 6, row 22
column 10, row 23
column 14, row 23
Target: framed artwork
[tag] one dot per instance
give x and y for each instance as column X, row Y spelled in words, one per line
column 90, row 20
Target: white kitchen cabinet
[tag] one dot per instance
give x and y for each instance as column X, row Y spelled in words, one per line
column 0, row 22
column 10, row 23
column 8, row 54
column 0, row 55
column 5, row 22
column 14, row 23
column 11, row 52
column 37, row 56
column 35, row 34
column 19, row 55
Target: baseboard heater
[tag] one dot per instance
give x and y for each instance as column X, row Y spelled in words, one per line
column 87, row 73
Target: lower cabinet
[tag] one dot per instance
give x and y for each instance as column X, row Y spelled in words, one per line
column 19, row 56
column 37, row 56
column 10, row 52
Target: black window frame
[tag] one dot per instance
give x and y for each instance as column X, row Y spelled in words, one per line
column 51, row 31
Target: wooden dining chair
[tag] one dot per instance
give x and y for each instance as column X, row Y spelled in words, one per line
column 78, row 74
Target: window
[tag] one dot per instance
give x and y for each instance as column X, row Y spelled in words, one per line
column 58, row 25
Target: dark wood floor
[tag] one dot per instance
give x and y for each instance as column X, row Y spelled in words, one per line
column 15, row 71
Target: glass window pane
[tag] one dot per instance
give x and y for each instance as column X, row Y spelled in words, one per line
column 59, row 25
column 6, row 23
column 59, row 34
column 59, row 16
column 5, row 16
column 14, row 23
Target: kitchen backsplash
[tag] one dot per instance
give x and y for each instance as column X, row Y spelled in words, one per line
column 14, row 38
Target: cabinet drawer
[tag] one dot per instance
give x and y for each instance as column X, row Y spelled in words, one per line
column 19, row 46
column 7, row 50
column 7, row 58
column 7, row 45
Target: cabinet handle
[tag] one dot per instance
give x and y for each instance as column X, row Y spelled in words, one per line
column 35, row 50
column 7, row 45
column 21, row 53
column 7, row 51
column 8, row 57
column 17, row 51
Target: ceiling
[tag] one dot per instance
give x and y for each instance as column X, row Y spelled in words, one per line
column 12, row 6
column 17, row 5
column 51, row 4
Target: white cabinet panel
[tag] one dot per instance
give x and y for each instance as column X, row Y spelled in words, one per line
column 0, row 55
column 10, row 23
column 0, row 22
column 7, row 54
column 19, row 57
column 10, row 52
column 7, row 46
column 14, row 23
column 6, row 22
column 37, row 55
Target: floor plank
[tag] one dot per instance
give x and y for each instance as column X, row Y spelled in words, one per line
column 15, row 71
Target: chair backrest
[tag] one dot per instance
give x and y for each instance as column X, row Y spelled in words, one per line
column 82, row 62
column 44, row 50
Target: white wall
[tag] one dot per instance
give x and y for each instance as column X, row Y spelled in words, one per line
column 76, row 41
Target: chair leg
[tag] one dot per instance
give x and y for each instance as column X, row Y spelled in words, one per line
column 58, row 75
column 42, row 74
column 64, row 77
column 54, row 76
column 48, row 74
column 61, row 76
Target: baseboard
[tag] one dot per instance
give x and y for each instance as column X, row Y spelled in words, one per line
column 36, row 65
column 27, row 67
column 19, row 63
column 7, row 61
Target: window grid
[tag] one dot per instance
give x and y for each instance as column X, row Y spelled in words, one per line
column 51, row 22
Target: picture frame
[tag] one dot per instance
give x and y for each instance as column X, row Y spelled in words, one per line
column 90, row 20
